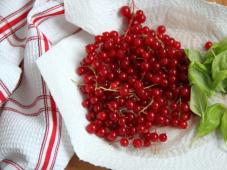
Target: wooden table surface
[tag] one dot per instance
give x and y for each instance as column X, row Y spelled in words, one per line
column 76, row 164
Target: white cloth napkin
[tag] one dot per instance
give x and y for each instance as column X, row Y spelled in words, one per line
column 192, row 22
column 32, row 132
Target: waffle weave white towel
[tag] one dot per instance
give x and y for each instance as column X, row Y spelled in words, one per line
column 32, row 133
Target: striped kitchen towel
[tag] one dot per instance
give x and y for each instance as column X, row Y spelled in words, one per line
column 32, row 132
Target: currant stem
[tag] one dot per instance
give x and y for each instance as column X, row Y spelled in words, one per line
column 77, row 83
column 103, row 88
column 150, row 86
column 93, row 71
column 180, row 107
column 146, row 106
column 160, row 41
column 132, row 18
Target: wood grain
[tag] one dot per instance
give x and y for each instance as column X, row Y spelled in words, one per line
column 76, row 164
column 223, row 2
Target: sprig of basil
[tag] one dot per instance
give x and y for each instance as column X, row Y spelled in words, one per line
column 198, row 101
column 216, row 48
column 210, row 119
column 219, row 71
column 193, row 55
column 223, row 126
column 199, row 75
column 208, row 76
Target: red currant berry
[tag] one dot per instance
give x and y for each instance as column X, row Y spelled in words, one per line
column 123, row 91
column 111, row 136
column 154, row 137
column 101, row 115
column 137, row 143
column 161, row 29
column 125, row 11
column 185, row 116
column 163, row 137
column 185, row 107
column 208, row 45
column 86, row 103
column 141, row 129
column 101, row 132
column 80, row 70
column 91, row 128
column 183, row 124
column 185, row 91
column 146, row 143
column 174, row 122
column 124, row 142
column 150, row 116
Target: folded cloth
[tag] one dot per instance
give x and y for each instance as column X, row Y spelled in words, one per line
column 32, row 132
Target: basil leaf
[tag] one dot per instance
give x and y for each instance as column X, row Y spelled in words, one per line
column 223, row 126
column 219, row 83
column 214, row 51
column 199, row 75
column 193, row 55
column 219, row 64
column 219, row 71
column 210, row 119
column 224, row 85
column 198, row 101
column 209, row 57
column 219, row 47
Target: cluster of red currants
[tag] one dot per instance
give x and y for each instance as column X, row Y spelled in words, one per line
column 134, row 83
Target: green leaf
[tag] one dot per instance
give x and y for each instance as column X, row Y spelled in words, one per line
column 199, row 75
column 209, row 57
column 220, row 46
column 210, row 119
column 216, row 49
column 219, row 64
column 193, row 55
column 223, row 126
column 198, row 101
column 219, row 83
column 224, row 85
column 219, row 71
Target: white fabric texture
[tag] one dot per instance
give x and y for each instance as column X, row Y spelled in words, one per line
column 32, row 132
column 192, row 23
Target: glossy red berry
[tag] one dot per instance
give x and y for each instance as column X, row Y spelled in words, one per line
column 101, row 115
column 185, row 107
column 185, row 116
column 101, row 132
column 208, row 45
column 141, row 129
column 146, row 143
column 163, row 137
column 123, row 91
column 161, row 29
column 91, row 128
column 174, row 122
column 111, row 136
column 80, row 70
column 185, row 91
column 150, row 116
column 137, row 143
column 124, row 142
column 86, row 103
column 125, row 11
column 183, row 124
column 154, row 137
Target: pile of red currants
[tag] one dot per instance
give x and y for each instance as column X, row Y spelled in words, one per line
column 135, row 83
